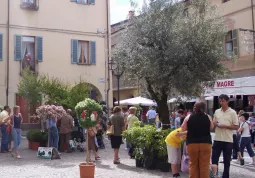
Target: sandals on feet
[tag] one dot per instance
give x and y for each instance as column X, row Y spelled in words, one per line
column 97, row 158
column 116, row 162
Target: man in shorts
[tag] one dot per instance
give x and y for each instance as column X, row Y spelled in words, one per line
column 173, row 142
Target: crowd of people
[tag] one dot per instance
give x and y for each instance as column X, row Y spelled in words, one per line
column 10, row 125
column 232, row 133
column 60, row 132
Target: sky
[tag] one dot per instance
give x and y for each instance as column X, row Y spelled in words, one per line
column 120, row 8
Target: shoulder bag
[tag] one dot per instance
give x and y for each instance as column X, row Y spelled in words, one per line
column 110, row 131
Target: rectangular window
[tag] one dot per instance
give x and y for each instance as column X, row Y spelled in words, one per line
column 83, row 52
column 231, row 43
column 28, row 53
column 28, row 50
column 223, row 1
column 83, row 1
column 29, row 4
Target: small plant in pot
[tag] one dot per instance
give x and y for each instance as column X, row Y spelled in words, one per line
column 86, row 112
column 35, row 138
column 134, row 137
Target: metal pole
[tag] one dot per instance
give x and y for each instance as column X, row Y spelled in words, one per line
column 118, row 80
column 252, row 12
column 8, row 55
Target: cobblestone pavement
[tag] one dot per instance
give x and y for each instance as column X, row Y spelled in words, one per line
column 32, row 167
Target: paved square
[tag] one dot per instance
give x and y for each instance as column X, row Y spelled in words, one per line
column 68, row 167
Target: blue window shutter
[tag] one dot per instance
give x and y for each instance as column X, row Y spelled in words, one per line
column 1, row 46
column 92, row 2
column 92, row 52
column 39, row 49
column 18, row 48
column 74, row 51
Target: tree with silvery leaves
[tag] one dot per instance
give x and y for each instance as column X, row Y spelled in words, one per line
column 173, row 50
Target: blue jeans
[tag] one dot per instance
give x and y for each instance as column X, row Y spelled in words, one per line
column 5, row 138
column 152, row 121
column 245, row 142
column 16, row 136
column 158, row 124
column 53, row 137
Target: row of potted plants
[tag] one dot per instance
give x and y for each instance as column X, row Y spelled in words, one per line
column 149, row 147
column 36, row 139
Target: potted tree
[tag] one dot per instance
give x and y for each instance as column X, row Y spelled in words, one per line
column 84, row 111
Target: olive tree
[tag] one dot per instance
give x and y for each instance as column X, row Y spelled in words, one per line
column 172, row 47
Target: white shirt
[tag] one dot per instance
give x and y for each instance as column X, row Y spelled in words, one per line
column 3, row 116
column 151, row 114
column 228, row 118
column 177, row 123
column 246, row 129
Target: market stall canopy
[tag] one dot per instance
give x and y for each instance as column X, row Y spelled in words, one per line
column 137, row 101
column 234, row 86
column 209, row 98
column 183, row 99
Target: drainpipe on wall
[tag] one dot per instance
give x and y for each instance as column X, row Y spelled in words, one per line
column 253, row 28
column 108, row 56
column 8, row 54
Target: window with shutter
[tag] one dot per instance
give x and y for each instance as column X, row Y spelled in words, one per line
column 18, row 48
column 1, row 46
column 231, row 43
column 93, row 52
column 82, row 1
column 74, row 53
column 39, row 49
column 235, row 42
column 92, row 2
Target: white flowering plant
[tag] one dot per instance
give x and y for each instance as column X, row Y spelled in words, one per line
column 47, row 111
column 87, row 112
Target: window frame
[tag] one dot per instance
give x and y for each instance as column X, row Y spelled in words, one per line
column 229, row 40
column 26, row 4
column 224, row 1
column 88, row 50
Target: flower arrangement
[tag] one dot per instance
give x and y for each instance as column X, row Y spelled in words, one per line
column 87, row 112
column 46, row 111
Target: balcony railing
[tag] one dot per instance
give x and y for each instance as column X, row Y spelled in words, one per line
column 29, row 4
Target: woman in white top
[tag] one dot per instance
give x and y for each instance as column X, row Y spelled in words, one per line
column 245, row 141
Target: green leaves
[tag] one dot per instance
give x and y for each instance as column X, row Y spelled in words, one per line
column 147, row 137
column 29, row 86
column 172, row 51
column 55, row 91
column 89, row 106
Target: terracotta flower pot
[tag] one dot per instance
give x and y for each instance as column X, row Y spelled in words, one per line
column 35, row 145
column 87, row 170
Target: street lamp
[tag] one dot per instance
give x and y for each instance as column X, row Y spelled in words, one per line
column 117, row 71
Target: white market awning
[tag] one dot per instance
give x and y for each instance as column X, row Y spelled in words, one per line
column 184, row 99
column 137, row 101
column 209, row 98
column 234, row 86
